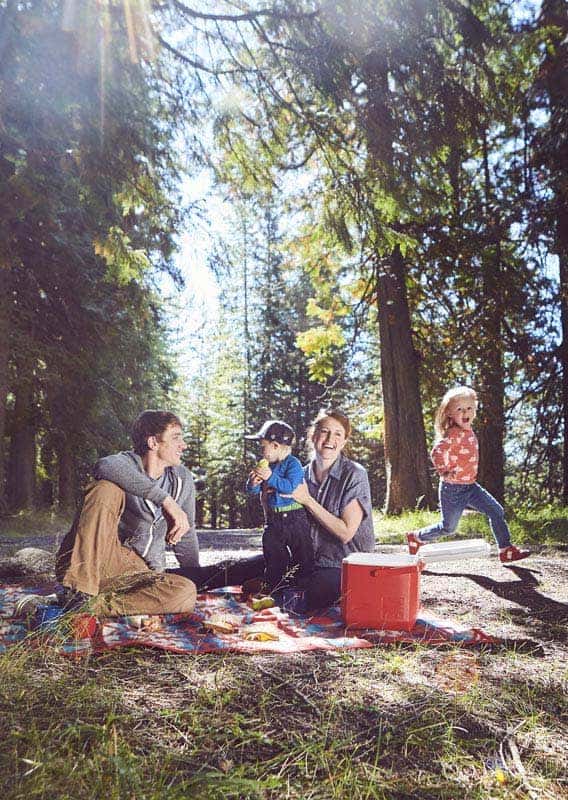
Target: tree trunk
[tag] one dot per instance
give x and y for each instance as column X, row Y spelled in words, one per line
column 213, row 511
column 67, row 483
column 556, row 80
column 4, row 355
column 563, row 257
column 491, row 369
column 491, row 427
column 22, row 464
column 406, row 459
column 199, row 512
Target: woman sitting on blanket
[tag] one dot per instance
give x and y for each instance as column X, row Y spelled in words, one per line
column 337, row 496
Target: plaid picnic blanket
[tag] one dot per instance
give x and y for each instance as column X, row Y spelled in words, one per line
column 266, row 631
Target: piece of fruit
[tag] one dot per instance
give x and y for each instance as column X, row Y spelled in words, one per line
column 258, row 603
column 262, row 464
column 260, row 636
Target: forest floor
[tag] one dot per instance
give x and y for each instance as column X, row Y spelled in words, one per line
column 390, row 722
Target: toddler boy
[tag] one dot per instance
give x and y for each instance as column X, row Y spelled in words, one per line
column 286, row 540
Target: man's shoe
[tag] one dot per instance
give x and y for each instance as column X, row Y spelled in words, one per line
column 512, row 553
column 71, row 599
column 414, row 543
column 29, row 604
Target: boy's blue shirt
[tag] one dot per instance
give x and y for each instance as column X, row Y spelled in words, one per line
column 286, row 476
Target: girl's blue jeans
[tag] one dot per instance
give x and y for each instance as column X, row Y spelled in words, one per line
column 454, row 498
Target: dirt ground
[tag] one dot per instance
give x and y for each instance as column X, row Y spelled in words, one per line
column 529, row 601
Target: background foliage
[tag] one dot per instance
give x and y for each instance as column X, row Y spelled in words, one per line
column 394, row 177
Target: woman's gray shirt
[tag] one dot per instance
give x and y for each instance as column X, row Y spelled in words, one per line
column 345, row 481
column 143, row 526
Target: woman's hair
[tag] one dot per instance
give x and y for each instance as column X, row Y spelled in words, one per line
column 337, row 415
column 442, row 419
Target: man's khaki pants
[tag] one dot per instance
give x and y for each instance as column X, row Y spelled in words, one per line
column 92, row 560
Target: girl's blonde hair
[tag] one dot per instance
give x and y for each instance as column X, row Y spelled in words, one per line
column 442, row 420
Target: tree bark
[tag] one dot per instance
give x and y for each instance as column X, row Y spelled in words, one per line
column 4, row 382
column 563, row 258
column 491, row 368
column 21, row 476
column 406, row 459
column 491, row 427
column 213, row 511
column 199, row 512
column 555, row 71
column 67, row 482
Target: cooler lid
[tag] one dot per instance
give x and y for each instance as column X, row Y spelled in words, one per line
column 382, row 559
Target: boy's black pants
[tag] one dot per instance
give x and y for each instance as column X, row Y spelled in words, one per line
column 287, row 547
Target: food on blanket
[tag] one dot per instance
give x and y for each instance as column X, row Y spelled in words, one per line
column 152, row 623
column 134, row 620
column 258, row 603
column 146, row 622
column 219, row 624
column 258, row 635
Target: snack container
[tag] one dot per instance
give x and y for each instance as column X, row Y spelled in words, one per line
column 380, row 590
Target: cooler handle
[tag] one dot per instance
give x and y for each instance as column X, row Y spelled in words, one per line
column 374, row 572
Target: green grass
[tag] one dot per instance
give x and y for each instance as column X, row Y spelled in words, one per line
column 376, row 724
column 547, row 525
column 30, row 523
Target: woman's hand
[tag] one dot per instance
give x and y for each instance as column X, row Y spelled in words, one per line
column 301, row 494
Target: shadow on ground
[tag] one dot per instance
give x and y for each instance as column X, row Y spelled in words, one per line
column 523, row 591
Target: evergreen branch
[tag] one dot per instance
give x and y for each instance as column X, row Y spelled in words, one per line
column 198, row 65
column 250, row 16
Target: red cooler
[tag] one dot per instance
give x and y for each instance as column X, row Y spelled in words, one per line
column 380, row 590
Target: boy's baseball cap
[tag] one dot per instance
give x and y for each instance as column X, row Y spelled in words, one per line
column 274, row 430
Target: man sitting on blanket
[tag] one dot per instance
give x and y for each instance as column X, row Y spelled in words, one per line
column 141, row 503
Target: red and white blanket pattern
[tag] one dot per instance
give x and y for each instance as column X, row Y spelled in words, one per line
column 266, row 631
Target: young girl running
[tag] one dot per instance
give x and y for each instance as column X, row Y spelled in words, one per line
column 455, row 456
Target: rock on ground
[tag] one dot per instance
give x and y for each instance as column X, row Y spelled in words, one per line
column 28, row 562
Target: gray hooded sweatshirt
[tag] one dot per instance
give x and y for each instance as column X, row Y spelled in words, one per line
column 143, row 526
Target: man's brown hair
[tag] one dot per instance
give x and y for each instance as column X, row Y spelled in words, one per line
column 151, row 423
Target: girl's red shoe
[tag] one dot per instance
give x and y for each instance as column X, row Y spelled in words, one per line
column 513, row 553
column 414, row 543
